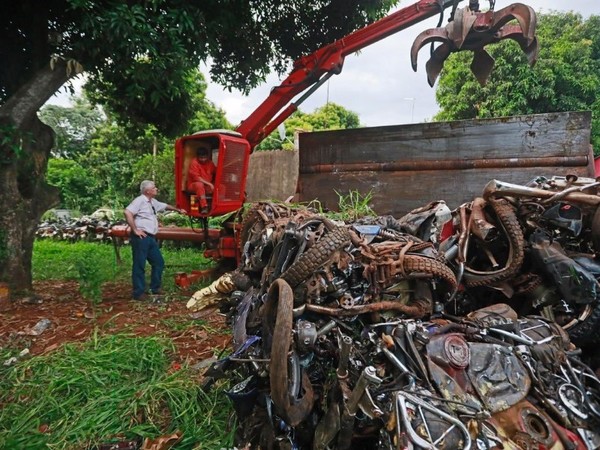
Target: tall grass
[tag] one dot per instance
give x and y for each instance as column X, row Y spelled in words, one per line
column 59, row 260
column 110, row 388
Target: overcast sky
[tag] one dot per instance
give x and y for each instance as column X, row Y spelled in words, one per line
column 379, row 83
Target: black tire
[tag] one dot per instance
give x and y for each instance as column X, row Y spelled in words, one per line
column 280, row 301
column 316, row 256
column 435, row 268
column 587, row 332
column 251, row 219
column 516, row 241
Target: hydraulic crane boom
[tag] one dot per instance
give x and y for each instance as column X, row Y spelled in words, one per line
column 468, row 29
column 316, row 68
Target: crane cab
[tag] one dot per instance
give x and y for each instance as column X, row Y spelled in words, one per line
column 230, row 154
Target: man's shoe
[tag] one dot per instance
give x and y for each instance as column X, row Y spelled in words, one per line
column 158, row 291
column 141, row 298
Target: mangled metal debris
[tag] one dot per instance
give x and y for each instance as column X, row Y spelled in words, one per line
column 443, row 329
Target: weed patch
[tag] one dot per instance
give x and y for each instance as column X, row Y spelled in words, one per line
column 112, row 387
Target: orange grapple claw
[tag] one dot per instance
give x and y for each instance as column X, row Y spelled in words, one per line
column 424, row 38
column 473, row 30
column 523, row 14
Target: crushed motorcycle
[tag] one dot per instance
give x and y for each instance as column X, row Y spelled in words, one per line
column 382, row 333
column 533, row 246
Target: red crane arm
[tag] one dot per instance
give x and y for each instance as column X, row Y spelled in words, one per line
column 314, row 69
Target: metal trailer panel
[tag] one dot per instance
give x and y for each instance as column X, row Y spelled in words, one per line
column 406, row 166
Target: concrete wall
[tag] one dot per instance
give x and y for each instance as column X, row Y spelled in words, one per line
column 272, row 175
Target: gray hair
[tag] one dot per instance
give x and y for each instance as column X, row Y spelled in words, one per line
column 145, row 185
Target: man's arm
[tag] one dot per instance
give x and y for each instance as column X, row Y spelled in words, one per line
column 196, row 173
column 173, row 208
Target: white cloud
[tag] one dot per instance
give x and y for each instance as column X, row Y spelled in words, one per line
column 377, row 82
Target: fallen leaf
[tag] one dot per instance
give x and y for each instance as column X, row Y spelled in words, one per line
column 162, row 442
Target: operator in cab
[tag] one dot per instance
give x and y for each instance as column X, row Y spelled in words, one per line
column 201, row 175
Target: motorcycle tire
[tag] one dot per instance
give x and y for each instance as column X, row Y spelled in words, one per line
column 512, row 230
column 316, row 256
column 586, row 331
column 288, row 404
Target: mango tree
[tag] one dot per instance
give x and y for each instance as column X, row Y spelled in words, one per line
column 137, row 56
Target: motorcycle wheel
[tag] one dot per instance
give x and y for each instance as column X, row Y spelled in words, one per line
column 509, row 223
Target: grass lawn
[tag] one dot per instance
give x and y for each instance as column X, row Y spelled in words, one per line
column 112, row 387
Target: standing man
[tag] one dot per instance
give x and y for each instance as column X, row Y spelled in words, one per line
column 201, row 175
column 141, row 218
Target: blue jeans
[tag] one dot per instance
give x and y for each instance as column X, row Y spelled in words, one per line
column 145, row 249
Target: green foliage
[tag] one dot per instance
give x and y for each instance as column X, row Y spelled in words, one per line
column 161, row 169
column 73, row 126
column 109, row 388
column 565, row 78
column 328, row 117
column 57, row 260
column 78, row 188
column 352, row 206
column 111, row 160
column 89, row 277
column 206, row 115
column 103, row 163
column 140, row 57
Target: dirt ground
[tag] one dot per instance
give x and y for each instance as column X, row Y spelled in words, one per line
column 197, row 336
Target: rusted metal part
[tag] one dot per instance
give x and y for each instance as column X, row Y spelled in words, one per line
column 480, row 227
column 416, row 311
column 435, row 435
column 171, row 233
column 389, row 267
column 186, row 280
column 507, row 219
column 498, row 375
column 452, row 370
column 473, row 30
column 496, row 163
column 527, row 426
column 497, row 188
column 278, row 318
column 345, row 347
column 354, row 159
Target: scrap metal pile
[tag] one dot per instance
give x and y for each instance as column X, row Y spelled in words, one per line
column 85, row 228
column 442, row 329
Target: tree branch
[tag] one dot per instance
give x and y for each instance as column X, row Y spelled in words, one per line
column 32, row 95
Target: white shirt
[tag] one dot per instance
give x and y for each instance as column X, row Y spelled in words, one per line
column 144, row 210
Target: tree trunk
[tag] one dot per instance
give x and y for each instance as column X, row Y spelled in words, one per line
column 25, row 144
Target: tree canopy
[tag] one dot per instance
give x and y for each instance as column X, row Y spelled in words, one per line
column 139, row 57
column 328, row 117
column 565, row 78
column 99, row 163
column 73, row 126
column 139, row 54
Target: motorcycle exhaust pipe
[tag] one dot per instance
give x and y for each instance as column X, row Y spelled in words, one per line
column 496, row 188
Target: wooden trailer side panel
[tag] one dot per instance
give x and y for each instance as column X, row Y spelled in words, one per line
column 406, row 166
